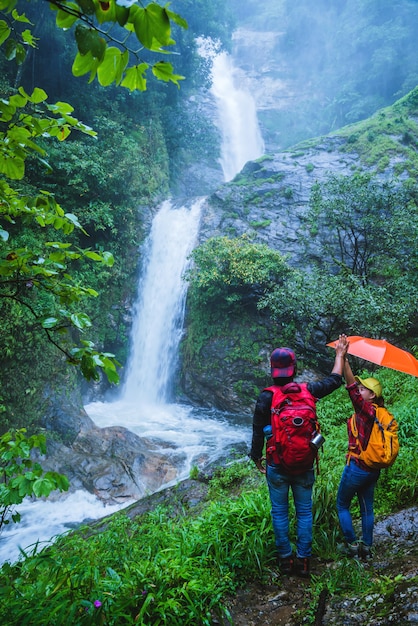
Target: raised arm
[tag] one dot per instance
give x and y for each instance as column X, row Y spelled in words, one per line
column 340, row 355
column 348, row 374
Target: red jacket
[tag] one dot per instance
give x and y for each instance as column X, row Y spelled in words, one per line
column 365, row 414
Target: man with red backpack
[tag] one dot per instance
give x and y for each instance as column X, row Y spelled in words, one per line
column 288, row 408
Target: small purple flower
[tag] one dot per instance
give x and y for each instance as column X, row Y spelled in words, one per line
column 97, row 604
column 144, row 593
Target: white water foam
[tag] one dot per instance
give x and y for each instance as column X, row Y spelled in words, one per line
column 43, row 520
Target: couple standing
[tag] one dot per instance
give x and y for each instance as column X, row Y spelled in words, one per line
column 357, row 478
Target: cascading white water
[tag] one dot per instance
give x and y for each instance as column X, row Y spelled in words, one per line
column 188, row 435
column 241, row 136
column 158, row 320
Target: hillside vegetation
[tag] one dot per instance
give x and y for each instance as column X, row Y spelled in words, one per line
column 180, row 557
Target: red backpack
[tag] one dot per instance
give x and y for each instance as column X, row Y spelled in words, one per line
column 294, row 424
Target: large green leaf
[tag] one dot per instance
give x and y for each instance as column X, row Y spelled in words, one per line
column 7, row 5
column 38, row 95
column 4, row 31
column 66, row 20
column 12, row 167
column 89, row 40
column 10, row 49
column 83, row 64
column 123, row 62
column 80, row 320
column 174, row 17
column 42, row 487
column 164, row 71
column 108, row 70
column 87, row 6
column 18, row 100
column 50, row 322
column 122, row 15
column 134, row 78
column 152, row 26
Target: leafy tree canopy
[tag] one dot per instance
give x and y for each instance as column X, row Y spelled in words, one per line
column 360, row 239
column 105, row 33
column 110, row 36
column 364, row 227
column 37, row 254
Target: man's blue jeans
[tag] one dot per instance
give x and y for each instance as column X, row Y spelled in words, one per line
column 356, row 481
column 301, row 486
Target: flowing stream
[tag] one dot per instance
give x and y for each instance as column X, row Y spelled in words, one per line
column 190, row 435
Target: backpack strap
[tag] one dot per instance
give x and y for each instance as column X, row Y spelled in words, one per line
column 353, row 427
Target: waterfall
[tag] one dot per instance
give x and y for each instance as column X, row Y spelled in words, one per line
column 187, row 435
column 158, row 320
column 237, row 117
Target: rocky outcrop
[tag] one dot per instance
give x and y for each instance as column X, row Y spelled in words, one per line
column 269, row 198
column 269, row 201
column 113, row 463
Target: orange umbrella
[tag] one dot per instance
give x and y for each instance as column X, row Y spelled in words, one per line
column 382, row 353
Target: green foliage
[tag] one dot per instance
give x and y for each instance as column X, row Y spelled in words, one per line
column 27, row 273
column 320, row 305
column 364, row 227
column 225, row 480
column 21, row 476
column 156, row 570
column 227, row 280
column 387, row 134
column 26, row 122
column 93, row 22
column 230, row 273
column 27, row 118
column 360, row 239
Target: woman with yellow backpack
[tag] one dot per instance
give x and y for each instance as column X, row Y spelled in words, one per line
column 372, row 445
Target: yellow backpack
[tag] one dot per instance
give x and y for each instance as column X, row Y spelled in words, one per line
column 383, row 446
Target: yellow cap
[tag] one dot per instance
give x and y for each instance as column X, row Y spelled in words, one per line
column 372, row 384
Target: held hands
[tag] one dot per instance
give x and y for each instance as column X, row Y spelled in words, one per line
column 341, row 350
column 342, row 345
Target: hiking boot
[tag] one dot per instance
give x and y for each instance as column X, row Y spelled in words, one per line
column 285, row 565
column 365, row 551
column 349, row 549
column 303, row 567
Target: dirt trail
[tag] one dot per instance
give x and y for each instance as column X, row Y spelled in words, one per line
column 284, row 600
